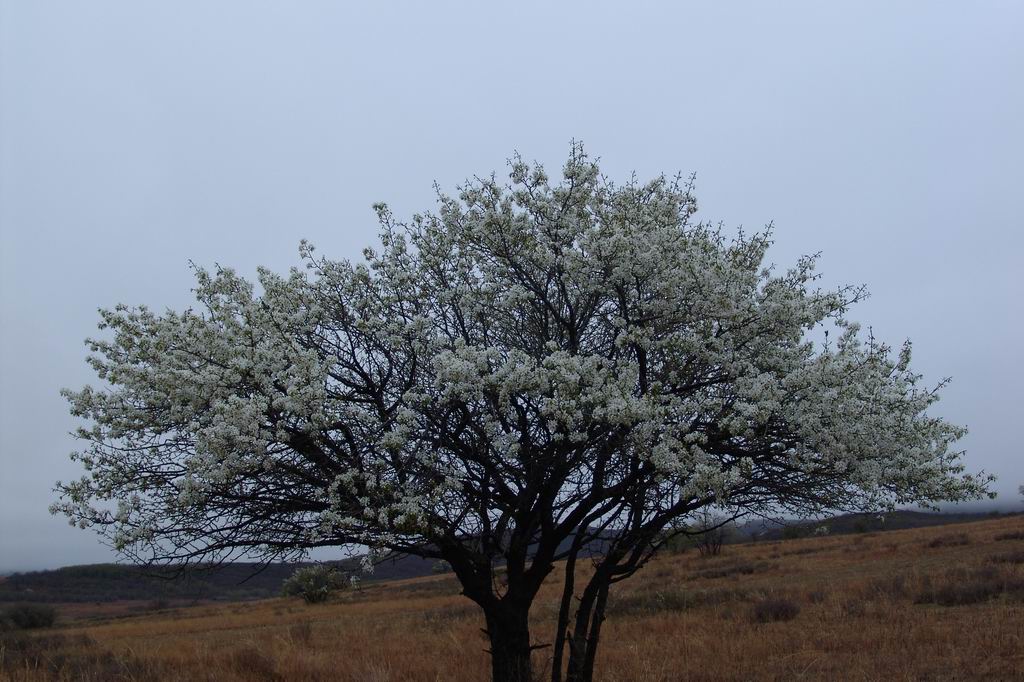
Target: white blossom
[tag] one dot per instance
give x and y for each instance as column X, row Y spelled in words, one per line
column 518, row 355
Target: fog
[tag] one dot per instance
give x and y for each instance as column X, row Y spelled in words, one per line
column 136, row 136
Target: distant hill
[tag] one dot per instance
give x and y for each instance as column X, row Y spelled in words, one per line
column 765, row 529
column 243, row 581
column 228, row 582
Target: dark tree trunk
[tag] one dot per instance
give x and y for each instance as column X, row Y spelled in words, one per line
column 578, row 637
column 586, row 636
column 595, row 634
column 561, row 629
column 509, row 631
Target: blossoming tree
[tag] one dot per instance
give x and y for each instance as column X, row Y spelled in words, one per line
column 536, row 366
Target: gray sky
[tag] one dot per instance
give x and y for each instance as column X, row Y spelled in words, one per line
column 135, row 136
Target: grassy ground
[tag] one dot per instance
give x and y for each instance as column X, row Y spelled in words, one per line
column 939, row 603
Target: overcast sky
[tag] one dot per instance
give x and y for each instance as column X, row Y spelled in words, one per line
column 135, row 136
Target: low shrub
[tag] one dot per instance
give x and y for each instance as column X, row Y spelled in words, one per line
column 68, row 657
column 436, row 586
column 709, row 531
column 951, row 540
column 854, row 608
column 647, row 602
column 1015, row 535
column 795, row 532
column 890, row 587
column 797, row 551
column 159, row 605
column 1016, row 557
column 774, row 609
column 960, row 588
column 732, row 568
column 250, row 663
column 650, row 602
column 817, row 596
column 300, row 633
column 28, row 616
column 451, row 614
column 315, row 584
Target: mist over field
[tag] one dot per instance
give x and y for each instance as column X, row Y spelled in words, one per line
column 574, row 341
column 137, row 138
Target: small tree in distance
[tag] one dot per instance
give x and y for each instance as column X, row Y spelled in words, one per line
column 315, row 584
column 537, row 369
column 709, row 532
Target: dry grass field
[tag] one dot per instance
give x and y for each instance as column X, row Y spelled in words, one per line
column 942, row 603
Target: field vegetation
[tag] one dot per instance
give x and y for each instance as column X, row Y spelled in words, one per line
column 921, row 604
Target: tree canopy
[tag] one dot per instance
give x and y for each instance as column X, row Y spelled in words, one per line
column 500, row 382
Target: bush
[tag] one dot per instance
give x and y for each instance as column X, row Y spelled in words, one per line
column 960, row 588
column 817, row 596
column 853, row 608
column 251, row 663
column 1016, row 557
column 950, row 540
column 798, row 551
column 647, row 602
column 301, row 633
column 1015, row 535
column 795, row 532
column 732, row 568
column 775, row 609
column 159, row 605
column 315, row 584
column 651, row 602
column 890, row 587
column 29, row 616
column 673, row 543
column 710, row 532
column 450, row 614
column 55, row 656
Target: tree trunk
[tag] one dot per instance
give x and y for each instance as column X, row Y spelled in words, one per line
column 561, row 629
column 578, row 637
column 585, row 638
column 509, row 631
column 595, row 635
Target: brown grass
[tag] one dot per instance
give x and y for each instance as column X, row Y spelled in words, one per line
column 950, row 540
column 1012, row 535
column 900, row 605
